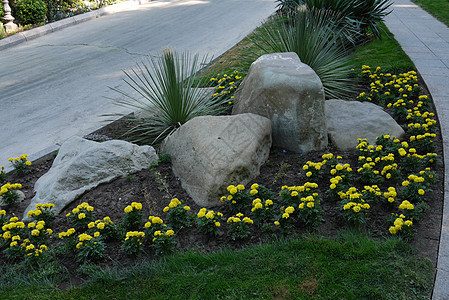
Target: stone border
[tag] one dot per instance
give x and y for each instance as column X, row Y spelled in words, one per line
column 31, row 34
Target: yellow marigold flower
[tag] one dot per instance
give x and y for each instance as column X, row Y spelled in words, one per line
column 308, row 174
column 285, row 215
column 75, row 210
column 408, row 223
column 290, row 210
column 247, row 220
column 421, row 192
column 253, row 192
column 393, row 230
column 13, row 244
column 166, row 209
column 91, row 225
column 240, row 187
column 81, row 216
column 89, row 208
column 210, row 215
column 49, row 231
column 301, row 205
column 137, row 205
column 96, row 234
column 157, row 220
column 254, row 186
column 356, row 208
column 217, row 224
column 187, row 208
column 276, row 223
column 233, row 191
column 79, row 245
column 147, row 224
column 268, row 202
column 128, row 209
column 310, row 204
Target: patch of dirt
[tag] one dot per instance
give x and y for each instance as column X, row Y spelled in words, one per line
column 155, row 187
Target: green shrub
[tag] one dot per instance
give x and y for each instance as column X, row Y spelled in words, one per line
column 30, row 12
column 60, row 9
column 2, row 14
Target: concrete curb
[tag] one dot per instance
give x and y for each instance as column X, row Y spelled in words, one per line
column 31, row 34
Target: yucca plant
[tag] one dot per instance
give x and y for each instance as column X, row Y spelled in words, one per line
column 367, row 13
column 315, row 36
column 168, row 95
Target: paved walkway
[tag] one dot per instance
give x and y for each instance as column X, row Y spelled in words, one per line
column 54, row 86
column 426, row 42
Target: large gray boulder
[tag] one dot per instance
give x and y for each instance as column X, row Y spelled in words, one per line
column 348, row 121
column 278, row 86
column 82, row 165
column 211, row 152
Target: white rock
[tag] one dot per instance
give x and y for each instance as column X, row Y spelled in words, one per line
column 211, row 152
column 348, row 121
column 278, row 86
column 82, row 165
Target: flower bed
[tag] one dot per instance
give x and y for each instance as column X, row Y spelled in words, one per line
column 385, row 189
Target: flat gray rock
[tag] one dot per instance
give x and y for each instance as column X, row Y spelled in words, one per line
column 289, row 93
column 348, row 121
column 82, row 165
column 211, row 152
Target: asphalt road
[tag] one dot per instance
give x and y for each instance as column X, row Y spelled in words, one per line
column 54, row 87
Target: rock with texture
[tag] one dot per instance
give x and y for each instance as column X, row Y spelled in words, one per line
column 278, row 86
column 348, row 121
column 82, row 165
column 211, row 152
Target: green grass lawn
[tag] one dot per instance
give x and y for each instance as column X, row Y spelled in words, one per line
column 385, row 53
column 437, row 8
column 353, row 266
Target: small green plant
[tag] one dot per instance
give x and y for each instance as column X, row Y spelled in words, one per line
column 262, row 212
column 2, row 168
column 96, row 137
column 286, row 218
column 178, row 215
column 208, row 221
column 310, row 211
column 163, row 241
column 154, row 224
column 90, row 248
column 21, row 164
column 165, row 158
column 402, row 226
column 108, row 229
column 43, row 212
column 354, row 207
column 132, row 245
column 239, row 226
column 9, row 195
column 413, row 189
column 133, row 219
column 81, row 216
column 237, row 199
column 70, row 239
